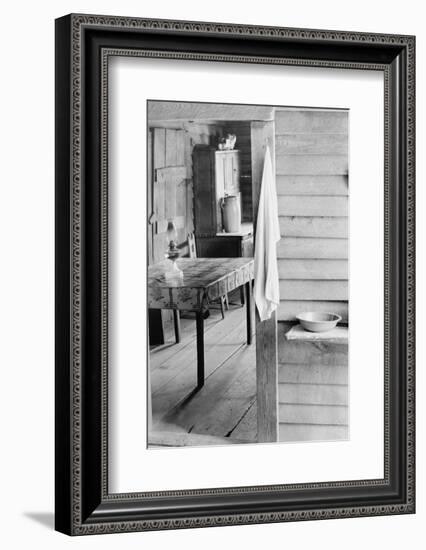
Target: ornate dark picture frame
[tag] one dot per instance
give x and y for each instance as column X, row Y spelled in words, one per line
column 83, row 45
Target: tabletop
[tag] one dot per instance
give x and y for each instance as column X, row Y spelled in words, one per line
column 204, row 280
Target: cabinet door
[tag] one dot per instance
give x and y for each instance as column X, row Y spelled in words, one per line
column 236, row 172
column 231, row 172
column 206, row 207
column 220, row 175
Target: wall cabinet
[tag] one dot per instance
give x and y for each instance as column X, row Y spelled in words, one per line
column 215, row 175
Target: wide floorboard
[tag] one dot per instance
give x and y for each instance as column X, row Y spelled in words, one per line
column 224, row 410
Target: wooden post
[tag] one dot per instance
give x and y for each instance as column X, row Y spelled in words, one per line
column 262, row 134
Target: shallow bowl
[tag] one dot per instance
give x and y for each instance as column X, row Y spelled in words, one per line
column 316, row 321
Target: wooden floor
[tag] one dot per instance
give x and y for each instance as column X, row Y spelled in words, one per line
column 224, row 410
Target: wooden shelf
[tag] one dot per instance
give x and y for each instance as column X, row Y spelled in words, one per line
column 338, row 335
column 246, row 229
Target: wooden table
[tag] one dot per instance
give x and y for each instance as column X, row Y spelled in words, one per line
column 204, row 280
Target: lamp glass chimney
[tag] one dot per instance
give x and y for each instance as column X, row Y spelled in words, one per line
column 171, row 232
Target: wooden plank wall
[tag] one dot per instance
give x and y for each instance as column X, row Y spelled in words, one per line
column 312, row 389
column 172, row 145
column 311, row 148
column 311, row 152
column 168, row 194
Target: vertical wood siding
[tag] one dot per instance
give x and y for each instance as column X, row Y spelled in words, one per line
column 311, row 152
column 170, row 146
column 169, row 186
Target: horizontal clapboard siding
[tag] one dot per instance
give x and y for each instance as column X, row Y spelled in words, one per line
column 295, row 205
column 312, row 373
column 336, row 415
column 311, row 144
column 313, row 394
column 306, row 226
column 329, row 354
column 317, row 165
column 313, row 205
column 313, row 290
column 309, row 121
column 312, row 269
column 301, row 247
column 311, row 154
column 312, row 432
column 312, row 185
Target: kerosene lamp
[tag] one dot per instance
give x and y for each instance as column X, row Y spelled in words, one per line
column 172, row 270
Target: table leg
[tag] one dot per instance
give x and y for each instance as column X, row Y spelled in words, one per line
column 176, row 321
column 242, row 295
column 156, row 329
column 248, row 311
column 200, row 349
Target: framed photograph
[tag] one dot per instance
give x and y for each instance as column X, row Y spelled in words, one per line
column 234, row 274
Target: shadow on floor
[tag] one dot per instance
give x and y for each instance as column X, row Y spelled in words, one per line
column 47, row 519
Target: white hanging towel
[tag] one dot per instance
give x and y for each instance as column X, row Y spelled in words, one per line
column 266, row 283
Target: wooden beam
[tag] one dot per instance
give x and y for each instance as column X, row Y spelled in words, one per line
column 262, row 134
column 206, row 112
column 267, row 379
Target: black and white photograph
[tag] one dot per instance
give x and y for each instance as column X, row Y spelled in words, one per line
column 234, row 326
column 209, row 301
column 247, row 230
